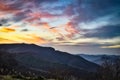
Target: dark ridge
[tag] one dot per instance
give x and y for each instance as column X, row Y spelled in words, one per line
column 49, row 61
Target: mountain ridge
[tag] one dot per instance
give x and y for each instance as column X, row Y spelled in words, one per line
column 38, row 53
column 99, row 59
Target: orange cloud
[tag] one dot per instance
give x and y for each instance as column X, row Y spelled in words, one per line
column 5, row 29
column 2, row 15
column 70, row 29
column 33, row 16
column 6, row 41
column 39, row 15
column 8, row 35
column 33, row 39
column 48, row 27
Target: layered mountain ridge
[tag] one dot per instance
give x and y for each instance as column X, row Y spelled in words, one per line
column 99, row 59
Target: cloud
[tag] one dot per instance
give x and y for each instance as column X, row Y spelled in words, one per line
column 113, row 46
column 10, row 6
column 9, row 35
column 7, row 30
column 101, row 43
column 24, row 30
column 108, row 31
column 5, row 22
column 95, row 23
column 107, row 26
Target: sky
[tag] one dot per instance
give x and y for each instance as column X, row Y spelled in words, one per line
column 74, row 26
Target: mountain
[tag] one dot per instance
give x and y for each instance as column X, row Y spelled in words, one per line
column 10, row 66
column 49, row 60
column 99, row 59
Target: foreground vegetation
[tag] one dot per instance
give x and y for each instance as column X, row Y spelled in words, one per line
column 108, row 71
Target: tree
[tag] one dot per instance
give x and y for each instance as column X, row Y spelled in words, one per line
column 110, row 70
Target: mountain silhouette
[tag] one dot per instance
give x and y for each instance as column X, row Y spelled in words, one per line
column 48, row 60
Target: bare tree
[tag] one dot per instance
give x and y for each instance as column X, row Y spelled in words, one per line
column 110, row 70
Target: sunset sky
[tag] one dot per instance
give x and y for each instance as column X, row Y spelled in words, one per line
column 75, row 26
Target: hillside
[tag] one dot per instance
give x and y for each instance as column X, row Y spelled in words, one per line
column 49, row 62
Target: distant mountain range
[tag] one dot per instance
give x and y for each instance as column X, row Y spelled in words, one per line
column 48, row 60
column 99, row 59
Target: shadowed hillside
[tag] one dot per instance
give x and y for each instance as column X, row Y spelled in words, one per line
column 44, row 61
